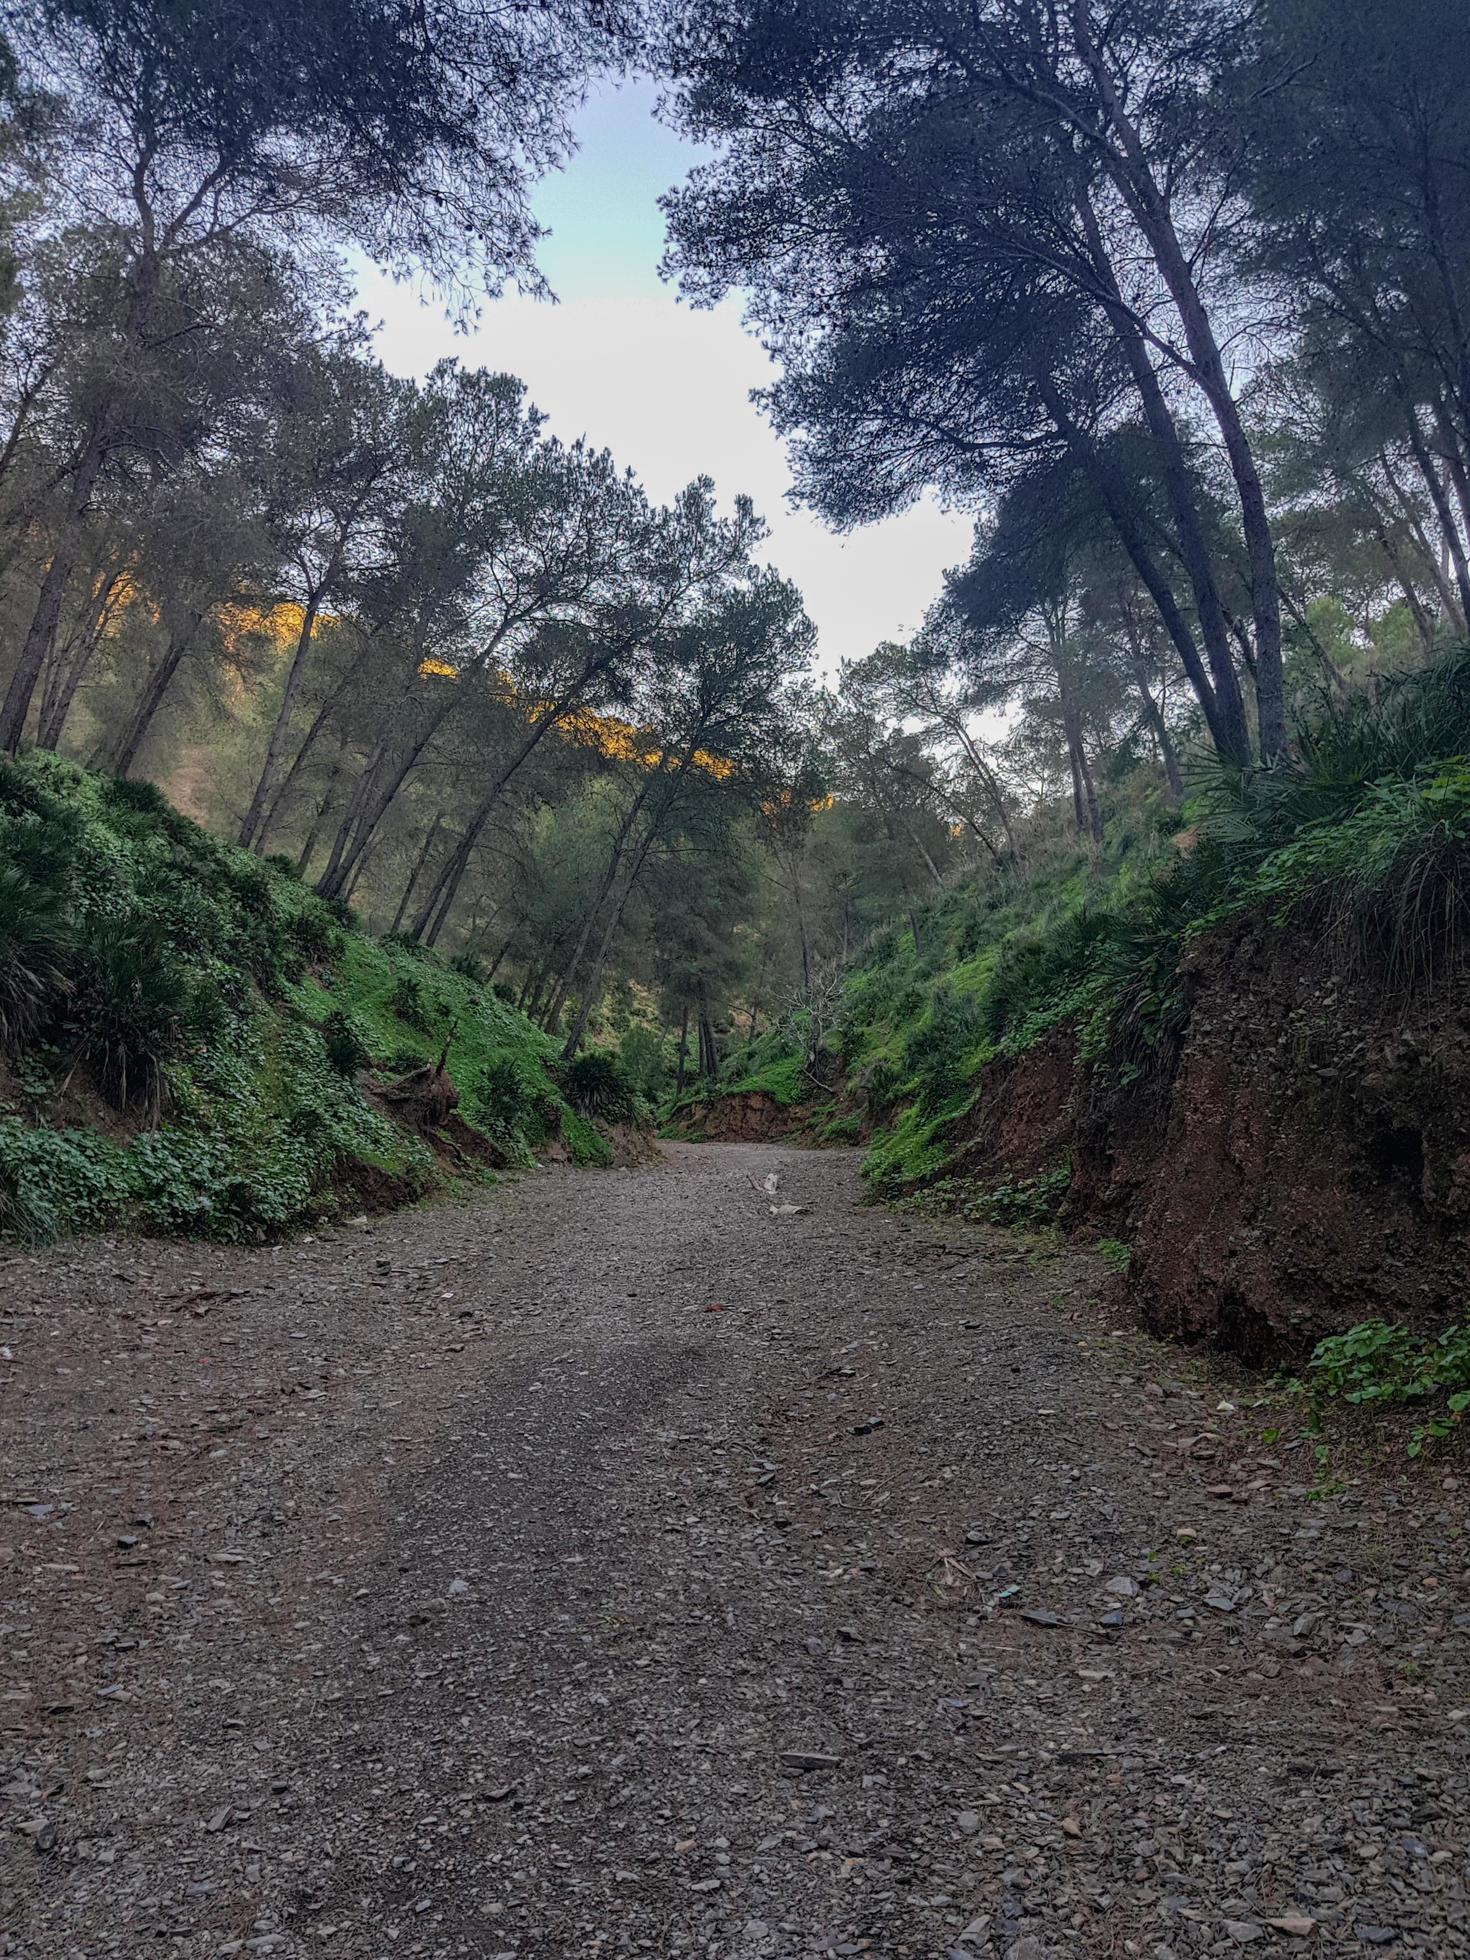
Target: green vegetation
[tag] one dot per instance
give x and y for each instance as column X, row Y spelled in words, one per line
column 1362, row 839
column 190, row 1040
column 425, row 660
column 1380, row 1364
column 1115, row 1254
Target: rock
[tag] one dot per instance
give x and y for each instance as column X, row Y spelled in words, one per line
column 1243, row 1930
column 968, row 1821
column 1039, row 1617
column 809, row 1759
column 1296, row 1924
column 1123, row 1587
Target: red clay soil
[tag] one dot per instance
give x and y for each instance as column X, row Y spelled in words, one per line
column 753, row 1117
column 1315, row 1169
column 1024, row 1118
column 1305, row 1166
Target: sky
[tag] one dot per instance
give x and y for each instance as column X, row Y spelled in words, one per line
column 622, row 360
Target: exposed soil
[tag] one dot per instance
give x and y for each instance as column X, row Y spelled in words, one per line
column 466, row 1584
column 748, row 1116
column 1301, row 1163
column 1314, row 1167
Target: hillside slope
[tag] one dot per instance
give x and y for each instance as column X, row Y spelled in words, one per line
column 191, row 1041
column 1242, row 1056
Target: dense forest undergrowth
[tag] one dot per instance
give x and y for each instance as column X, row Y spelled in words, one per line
column 192, row 1041
column 1233, row 1045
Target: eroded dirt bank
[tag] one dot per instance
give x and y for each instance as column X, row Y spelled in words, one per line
column 1300, row 1162
column 463, row 1586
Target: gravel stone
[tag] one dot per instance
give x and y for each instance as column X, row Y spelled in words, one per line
column 484, row 1586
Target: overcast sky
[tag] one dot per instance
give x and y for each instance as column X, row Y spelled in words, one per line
column 622, row 360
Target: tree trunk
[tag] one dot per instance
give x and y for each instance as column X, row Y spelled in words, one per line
column 1133, row 176
column 1449, row 529
column 592, row 991
column 1223, row 709
column 994, row 794
column 151, row 699
column 681, row 1071
column 298, row 762
column 368, row 821
column 663, row 775
column 432, row 918
column 1444, row 590
column 417, row 872
column 1084, row 788
column 303, row 858
column 1168, row 754
column 709, row 1054
column 802, row 934
column 334, row 873
column 41, row 634
column 68, row 672
column 609, row 879
column 1454, row 463
column 356, row 879
column 250, row 829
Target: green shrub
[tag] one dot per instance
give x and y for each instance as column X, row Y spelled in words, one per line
column 345, row 1043
column 407, row 1001
column 1027, row 1201
column 504, row 1096
column 597, row 1087
column 56, row 1181
column 643, row 1054
column 314, row 937
column 134, row 794
column 940, row 1052
column 1379, row 1362
column 132, row 1010
column 192, row 982
column 36, row 944
column 586, row 1144
column 1115, row 1253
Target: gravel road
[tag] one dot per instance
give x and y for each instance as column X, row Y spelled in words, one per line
column 612, row 1566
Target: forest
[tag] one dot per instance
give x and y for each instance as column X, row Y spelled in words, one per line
column 702, row 1258
column 1173, row 297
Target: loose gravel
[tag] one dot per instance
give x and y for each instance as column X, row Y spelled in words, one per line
column 619, row 1565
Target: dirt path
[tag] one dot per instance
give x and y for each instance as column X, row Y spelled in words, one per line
column 464, row 1585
